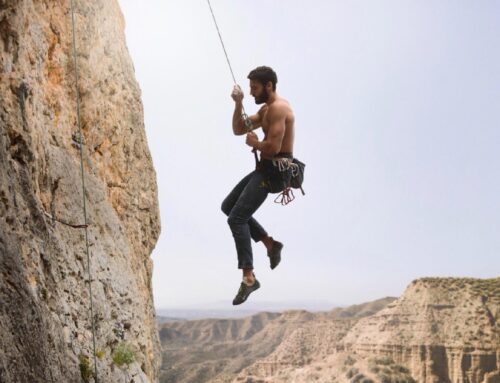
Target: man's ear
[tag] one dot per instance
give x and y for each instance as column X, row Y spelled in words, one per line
column 269, row 85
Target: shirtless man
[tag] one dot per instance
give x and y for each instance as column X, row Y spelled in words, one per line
column 276, row 119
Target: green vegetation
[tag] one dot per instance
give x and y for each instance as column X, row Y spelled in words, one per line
column 358, row 378
column 119, row 332
column 349, row 361
column 389, row 372
column 86, row 370
column 383, row 361
column 489, row 288
column 385, row 369
column 123, row 355
column 395, row 379
column 374, row 369
column 351, row 373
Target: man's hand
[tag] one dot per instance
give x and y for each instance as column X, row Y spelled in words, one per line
column 237, row 94
column 252, row 139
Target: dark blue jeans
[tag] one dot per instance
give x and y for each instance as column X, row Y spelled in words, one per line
column 239, row 206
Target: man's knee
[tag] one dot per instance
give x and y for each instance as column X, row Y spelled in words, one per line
column 234, row 220
column 231, row 220
column 225, row 207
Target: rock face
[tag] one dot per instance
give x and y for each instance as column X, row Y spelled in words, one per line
column 45, row 322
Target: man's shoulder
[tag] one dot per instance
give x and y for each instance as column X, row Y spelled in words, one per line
column 280, row 105
column 263, row 108
column 280, row 108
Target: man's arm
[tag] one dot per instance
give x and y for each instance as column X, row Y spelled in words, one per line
column 239, row 126
column 276, row 115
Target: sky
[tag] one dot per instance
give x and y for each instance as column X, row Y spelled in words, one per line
column 397, row 107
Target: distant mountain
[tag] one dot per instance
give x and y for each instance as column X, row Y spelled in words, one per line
column 196, row 314
column 441, row 330
column 160, row 319
column 226, row 310
column 202, row 350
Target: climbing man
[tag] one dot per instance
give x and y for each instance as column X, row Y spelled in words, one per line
column 276, row 119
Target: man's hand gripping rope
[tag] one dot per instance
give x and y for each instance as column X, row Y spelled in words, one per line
column 237, row 95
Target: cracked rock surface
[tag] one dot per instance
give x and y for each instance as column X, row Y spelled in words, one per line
column 45, row 322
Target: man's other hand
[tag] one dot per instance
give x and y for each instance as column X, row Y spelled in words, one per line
column 252, row 139
column 237, row 94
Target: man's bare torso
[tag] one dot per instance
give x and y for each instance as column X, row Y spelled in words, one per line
column 288, row 138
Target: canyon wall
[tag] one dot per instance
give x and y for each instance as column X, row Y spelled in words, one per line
column 45, row 323
column 441, row 330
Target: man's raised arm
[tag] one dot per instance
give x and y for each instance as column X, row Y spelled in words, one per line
column 239, row 127
column 238, row 123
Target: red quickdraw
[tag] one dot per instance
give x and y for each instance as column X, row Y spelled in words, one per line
column 285, row 197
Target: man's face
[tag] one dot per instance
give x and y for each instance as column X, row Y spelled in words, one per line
column 259, row 92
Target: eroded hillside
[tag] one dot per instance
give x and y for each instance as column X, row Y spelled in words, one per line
column 440, row 330
column 215, row 350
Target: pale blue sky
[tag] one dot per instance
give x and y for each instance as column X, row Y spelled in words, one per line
column 398, row 120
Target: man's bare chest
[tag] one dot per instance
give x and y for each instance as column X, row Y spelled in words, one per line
column 264, row 121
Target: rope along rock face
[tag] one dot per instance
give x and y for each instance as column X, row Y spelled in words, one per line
column 43, row 265
column 84, row 203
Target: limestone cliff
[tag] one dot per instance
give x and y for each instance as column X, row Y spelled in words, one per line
column 44, row 301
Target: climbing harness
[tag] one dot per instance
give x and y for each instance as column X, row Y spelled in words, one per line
column 85, row 224
column 292, row 165
column 285, row 164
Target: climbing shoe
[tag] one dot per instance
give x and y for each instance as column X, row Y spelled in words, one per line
column 275, row 254
column 244, row 292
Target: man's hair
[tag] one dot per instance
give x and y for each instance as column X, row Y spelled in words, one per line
column 264, row 74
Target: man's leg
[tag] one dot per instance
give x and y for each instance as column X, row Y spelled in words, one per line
column 257, row 232
column 249, row 200
column 267, row 242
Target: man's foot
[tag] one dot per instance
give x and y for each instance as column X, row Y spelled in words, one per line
column 275, row 254
column 244, row 292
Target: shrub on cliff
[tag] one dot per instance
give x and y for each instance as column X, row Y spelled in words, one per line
column 123, row 355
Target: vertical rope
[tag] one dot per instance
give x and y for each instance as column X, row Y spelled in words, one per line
column 83, row 191
column 248, row 124
column 222, row 42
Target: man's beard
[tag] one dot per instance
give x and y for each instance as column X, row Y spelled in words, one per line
column 263, row 97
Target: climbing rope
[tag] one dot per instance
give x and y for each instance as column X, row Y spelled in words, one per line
column 85, row 225
column 248, row 123
column 74, row 226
